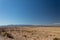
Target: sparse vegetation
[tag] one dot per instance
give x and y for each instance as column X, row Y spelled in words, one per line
column 41, row 33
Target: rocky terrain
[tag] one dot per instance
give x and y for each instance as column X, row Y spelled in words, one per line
column 30, row 33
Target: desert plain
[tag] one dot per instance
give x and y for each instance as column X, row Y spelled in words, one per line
column 30, row 33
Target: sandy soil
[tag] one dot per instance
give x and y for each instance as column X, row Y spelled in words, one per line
column 30, row 33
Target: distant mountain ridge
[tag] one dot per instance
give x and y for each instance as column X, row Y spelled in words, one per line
column 30, row 26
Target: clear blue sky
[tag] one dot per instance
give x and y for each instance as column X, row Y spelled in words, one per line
column 29, row 12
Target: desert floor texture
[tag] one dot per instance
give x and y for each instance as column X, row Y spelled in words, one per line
column 30, row 33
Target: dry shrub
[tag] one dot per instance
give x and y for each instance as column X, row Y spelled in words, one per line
column 8, row 35
column 56, row 39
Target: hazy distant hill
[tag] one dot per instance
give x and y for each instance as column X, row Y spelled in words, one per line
column 30, row 25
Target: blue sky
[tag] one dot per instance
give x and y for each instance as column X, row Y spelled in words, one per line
column 29, row 12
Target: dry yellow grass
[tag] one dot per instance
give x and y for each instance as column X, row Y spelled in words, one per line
column 30, row 33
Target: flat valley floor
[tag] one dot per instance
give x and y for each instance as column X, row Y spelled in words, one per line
column 30, row 33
